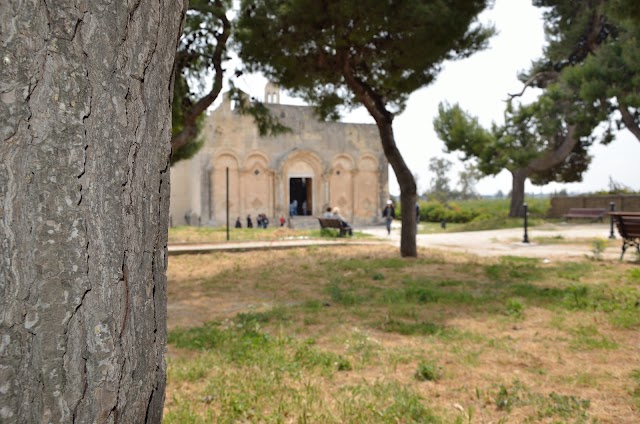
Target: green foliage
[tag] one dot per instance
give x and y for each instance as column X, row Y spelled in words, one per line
column 201, row 51
column 315, row 48
column 428, row 371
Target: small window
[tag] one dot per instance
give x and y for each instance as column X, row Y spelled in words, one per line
column 257, row 172
column 337, row 172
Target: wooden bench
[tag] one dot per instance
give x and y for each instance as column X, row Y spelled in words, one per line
column 595, row 214
column 335, row 223
column 628, row 224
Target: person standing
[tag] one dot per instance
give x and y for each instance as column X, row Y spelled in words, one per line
column 417, row 215
column 238, row 223
column 388, row 213
column 249, row 221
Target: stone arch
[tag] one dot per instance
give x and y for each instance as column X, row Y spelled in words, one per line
column 223, row 160
column 341, row 182
column 367, row 186
column 306, row 166
column 257, row 187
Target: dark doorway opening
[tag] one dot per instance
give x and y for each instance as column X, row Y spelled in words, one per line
column 300, row 198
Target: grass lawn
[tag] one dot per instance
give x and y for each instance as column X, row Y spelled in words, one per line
column 356, row 334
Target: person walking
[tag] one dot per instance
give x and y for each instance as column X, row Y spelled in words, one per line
column 388, row 213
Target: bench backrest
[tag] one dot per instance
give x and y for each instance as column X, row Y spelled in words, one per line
column 587, row 211
column 628, row 224
column 330, row 223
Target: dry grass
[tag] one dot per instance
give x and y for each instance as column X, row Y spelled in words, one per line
column 513, row 340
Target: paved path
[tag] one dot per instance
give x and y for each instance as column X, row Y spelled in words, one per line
column 548, row 241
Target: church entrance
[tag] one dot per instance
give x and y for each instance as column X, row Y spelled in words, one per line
column 300, row 196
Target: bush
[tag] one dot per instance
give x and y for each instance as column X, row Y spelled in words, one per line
column 478, row 210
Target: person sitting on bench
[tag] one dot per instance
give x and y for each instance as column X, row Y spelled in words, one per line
column 343, row 222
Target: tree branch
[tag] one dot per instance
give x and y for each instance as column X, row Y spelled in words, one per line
column 190, row 130
column 629, row 121
column 539, row 80
column 553, row 157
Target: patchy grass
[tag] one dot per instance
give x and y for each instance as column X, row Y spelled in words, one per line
column 186, row 234
column 355, row 334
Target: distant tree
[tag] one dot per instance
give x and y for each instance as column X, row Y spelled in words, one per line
column 467, row 180
column 534, row 139
column 340, row 54
column 549, row 139
column 499, row 194
column 440, row 188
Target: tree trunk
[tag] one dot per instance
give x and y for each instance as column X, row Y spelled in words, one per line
column 407, row 183
column 384, row 120
column 517, row 192
column 85, row 122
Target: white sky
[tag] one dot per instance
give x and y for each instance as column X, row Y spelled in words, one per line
column 480, row 85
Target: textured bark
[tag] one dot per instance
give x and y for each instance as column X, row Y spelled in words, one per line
column 85, row 120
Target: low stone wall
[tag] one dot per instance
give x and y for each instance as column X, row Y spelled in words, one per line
column 561, row 205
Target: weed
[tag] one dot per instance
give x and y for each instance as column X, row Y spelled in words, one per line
column 377, row 276
column 514, row 269
column 577, row 297
column 562, row 406
column 427, row 371
column 587, row 337
column 307, row 356
column 411, row 328
column 574, row 271
column 634, row 275
column 509, row 397
column 363, row 346
column 341, row 295
column 597, row 247
column 514, row 308
column 382, row 402
column 278, row 314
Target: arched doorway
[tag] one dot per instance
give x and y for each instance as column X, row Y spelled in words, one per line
column 301, row 195
column 301, row 183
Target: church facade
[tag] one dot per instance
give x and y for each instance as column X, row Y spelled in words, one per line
column 316, row 165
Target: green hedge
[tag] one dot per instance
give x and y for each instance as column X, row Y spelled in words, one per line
column 475, row 210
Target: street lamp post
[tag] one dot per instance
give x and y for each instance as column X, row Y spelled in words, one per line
column 526, row 216
column 612, row 207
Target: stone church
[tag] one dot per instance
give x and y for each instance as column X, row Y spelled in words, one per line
column 316, row 165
